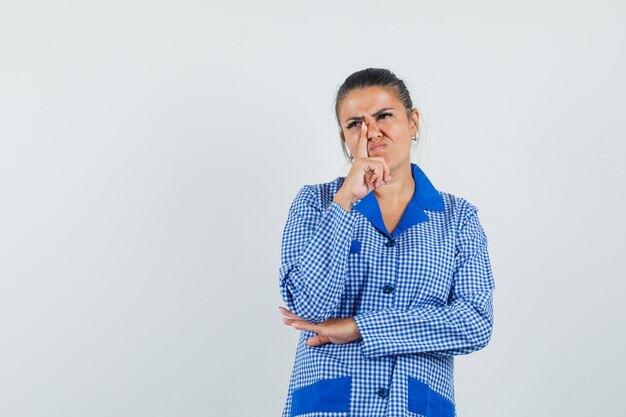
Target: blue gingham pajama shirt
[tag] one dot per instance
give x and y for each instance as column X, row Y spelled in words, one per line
column 419, row 296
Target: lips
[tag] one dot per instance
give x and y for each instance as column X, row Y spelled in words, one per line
column 378, row 146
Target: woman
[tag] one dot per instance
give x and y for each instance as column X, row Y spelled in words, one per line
column 386, row 277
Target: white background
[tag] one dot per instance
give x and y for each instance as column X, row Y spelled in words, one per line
column 149, row 152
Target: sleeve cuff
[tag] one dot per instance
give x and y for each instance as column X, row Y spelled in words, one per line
column 366, row 322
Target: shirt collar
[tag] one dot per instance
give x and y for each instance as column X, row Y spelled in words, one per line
column 425, row 197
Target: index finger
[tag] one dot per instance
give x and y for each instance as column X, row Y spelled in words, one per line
column 288, row 313
column 362, row 142
column 303, row 325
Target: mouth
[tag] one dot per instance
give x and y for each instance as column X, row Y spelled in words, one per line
column 377, row 147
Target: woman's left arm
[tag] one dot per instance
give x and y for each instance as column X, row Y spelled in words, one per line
column 463, row 326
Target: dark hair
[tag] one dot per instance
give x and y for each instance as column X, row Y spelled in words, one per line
column 372, row 77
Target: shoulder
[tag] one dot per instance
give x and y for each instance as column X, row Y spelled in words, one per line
column 458, row 209
column 319, row 196
column 463, row 216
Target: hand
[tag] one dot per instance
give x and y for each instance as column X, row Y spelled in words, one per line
column 333, row 330
column 367, row 173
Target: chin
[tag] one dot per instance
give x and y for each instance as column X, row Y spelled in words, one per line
column 394, row 163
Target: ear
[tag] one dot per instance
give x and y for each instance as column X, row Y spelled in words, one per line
column 414, row 121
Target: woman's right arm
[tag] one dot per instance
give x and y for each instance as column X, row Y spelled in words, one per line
column 315, row 247
column 316, row 240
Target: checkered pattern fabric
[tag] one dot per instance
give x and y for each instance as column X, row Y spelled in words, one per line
column 419, row 296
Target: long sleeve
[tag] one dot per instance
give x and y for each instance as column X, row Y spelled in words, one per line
column 460, row 327
column 315, row 247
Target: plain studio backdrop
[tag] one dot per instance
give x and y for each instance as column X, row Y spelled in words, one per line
column 150, row 151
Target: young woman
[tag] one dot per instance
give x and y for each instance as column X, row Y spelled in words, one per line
column 386, row 277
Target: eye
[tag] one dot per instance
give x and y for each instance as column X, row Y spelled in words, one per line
column 384, row 115
column 353, row 124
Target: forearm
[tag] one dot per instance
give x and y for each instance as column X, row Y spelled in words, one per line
column 460, row 328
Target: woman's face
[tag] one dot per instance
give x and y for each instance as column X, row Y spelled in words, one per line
column 389, row 129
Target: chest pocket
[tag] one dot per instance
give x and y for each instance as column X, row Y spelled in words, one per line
column 357, row 272
column 355, row 246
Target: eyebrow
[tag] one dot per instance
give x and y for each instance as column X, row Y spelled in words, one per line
column 373, row 114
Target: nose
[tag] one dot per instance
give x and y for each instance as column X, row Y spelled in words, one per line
column 372, row 130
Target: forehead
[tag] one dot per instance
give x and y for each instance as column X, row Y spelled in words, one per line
column 367, row 100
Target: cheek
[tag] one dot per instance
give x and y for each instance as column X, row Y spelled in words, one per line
column 397, row 131
column 351, row 140
column 392, row 128
column 351, row 147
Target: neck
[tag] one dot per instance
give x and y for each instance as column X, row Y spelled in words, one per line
column 401, row 186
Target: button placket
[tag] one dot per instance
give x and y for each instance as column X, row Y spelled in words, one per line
column 389, row 287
